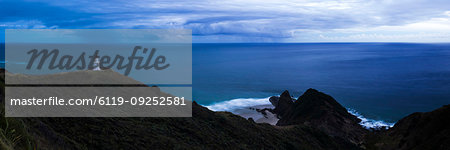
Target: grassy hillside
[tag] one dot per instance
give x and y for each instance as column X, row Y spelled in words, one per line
column 206, row 129
column 315, row 121
column 13, row 132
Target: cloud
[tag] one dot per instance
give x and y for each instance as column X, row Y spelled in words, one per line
column 432, row 30
column 244, row 21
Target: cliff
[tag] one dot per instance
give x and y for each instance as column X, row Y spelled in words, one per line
column 312, row 121
column 418, row 131
column 321, row 111
column 204, row 130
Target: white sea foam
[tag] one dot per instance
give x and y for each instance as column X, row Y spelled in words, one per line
column 369, row 123
column 238, row 103
column 235, row 105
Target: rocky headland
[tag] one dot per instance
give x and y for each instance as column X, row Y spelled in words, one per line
column 314, row 120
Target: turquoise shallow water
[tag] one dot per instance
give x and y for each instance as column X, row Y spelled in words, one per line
column 383, row 81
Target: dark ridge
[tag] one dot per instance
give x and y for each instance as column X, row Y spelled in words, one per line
column 418, row 131
column 322, row 111
column 282, row 104
column 205, row 130
column 314, row 121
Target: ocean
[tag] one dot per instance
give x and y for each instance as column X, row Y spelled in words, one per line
column 381, row 82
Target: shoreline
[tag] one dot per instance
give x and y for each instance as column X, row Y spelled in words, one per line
column 247, row 108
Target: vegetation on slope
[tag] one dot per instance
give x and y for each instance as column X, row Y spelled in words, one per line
column 309, row 123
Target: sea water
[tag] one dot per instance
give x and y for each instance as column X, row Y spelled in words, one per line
column 378, row 82
column 381, row 81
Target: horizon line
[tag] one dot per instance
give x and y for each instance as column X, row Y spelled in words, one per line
column 304, row 42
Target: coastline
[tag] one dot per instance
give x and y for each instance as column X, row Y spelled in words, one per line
column 248, row 108
column 314, row 120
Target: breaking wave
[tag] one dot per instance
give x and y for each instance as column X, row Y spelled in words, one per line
column 240, row 103
column 370, row 123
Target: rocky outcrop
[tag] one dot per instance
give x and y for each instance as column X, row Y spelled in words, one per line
column 283, row 104
column 322, row 111
column 313, row 121
column 204, row 130
column 419, row 131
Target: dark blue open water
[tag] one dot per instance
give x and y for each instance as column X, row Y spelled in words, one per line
column 383, row 81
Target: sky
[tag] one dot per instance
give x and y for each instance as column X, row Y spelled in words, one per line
column 233, row 21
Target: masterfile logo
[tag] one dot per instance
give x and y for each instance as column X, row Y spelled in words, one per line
column 66, row 62
column 98, row 73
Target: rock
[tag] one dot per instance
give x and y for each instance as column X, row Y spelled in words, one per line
column 274, row 100
column 429, row 130
column 264, row 111
column 314, row 121
column 322, row 111
column 206, row 129
column 284, row 104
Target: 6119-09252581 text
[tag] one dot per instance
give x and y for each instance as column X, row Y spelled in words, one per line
column 100, row 101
